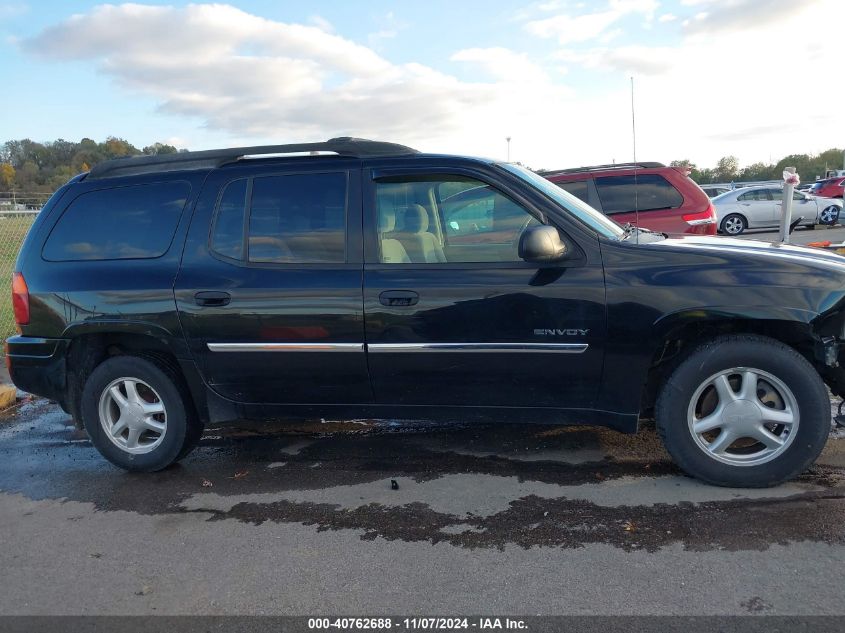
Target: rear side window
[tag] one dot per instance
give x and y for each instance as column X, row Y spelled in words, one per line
column 300, row 218
column 755, row 195
column 646, row 192
column 296, row 218
column 135, row 222
column 577, row 188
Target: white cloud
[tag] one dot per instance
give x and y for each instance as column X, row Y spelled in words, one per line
column 321, row 23
column 738, row 15
column 271, row 81
column 260, row 80
column 667, row 17
column 630, row 60
column 503, row 64
column 694, row 100
column 389, row 28
column 567, row 28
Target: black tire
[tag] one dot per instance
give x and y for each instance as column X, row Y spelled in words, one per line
column 183, row 429
column 737, row 220
column 741, row 351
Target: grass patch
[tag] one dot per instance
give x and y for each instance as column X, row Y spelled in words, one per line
column 13, row 229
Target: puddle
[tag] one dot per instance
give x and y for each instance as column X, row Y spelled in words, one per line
column 543, row 487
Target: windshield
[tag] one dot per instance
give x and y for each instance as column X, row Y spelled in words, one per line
column 597, row 221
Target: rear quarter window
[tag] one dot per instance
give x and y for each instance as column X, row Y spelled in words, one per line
column 132, row 222
column 645, row 192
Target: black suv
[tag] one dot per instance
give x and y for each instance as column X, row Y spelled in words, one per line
column 157, row 295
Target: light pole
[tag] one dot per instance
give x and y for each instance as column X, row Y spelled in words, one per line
column 508, row 139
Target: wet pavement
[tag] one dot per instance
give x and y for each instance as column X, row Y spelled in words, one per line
column 386, row 518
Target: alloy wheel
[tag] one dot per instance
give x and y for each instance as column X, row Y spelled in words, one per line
column 132, row 415
column 733, row 226
column 743, row 416
column 829, row 215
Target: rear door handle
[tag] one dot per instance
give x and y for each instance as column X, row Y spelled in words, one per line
column 398, row 298
column 212, row 298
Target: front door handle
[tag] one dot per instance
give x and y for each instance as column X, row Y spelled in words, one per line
column 212, row 298
column 398, row 298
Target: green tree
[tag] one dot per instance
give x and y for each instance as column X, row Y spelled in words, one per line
column 727, row 169
column 117, row 148
column 756, row 171
column 159, row 148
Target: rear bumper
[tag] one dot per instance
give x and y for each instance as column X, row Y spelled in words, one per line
column 37, row 365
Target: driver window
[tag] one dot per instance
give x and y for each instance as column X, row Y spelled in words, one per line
column 448, row 219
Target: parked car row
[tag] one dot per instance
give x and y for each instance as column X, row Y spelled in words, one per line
column 762, row 207
column 648, row 195
column 664, row 199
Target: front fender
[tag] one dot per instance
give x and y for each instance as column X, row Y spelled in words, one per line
column 667, row 323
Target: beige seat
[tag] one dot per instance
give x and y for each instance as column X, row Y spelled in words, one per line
column 420, row 245
column 392, row 251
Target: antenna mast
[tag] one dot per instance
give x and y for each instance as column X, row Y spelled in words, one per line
column 634, row 139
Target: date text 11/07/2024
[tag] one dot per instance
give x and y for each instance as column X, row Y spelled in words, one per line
column 413, row 624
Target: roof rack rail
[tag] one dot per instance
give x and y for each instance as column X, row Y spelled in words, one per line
column 209, row 159
column 571, row 170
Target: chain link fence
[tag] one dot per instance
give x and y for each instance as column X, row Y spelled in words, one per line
column 17, row 213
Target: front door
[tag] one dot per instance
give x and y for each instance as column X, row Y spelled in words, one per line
column 759, row 207
column 269, row 296
column 454, row 317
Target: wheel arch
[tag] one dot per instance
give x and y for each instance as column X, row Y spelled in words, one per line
column 91, row 344
column 677, row 334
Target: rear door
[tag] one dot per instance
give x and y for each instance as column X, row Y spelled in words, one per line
column 473, row 324
column 269, row 293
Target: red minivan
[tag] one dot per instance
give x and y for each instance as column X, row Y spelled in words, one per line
column 649, row 195
column 829, row 187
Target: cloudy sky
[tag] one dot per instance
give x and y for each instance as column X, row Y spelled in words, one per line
column 753, row 78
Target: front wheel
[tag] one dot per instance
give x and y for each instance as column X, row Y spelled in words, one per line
column 829, row 215
column 138, row 414
column 734, row 224
column 744, row 411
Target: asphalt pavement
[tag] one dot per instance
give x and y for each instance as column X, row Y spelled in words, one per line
column 502, row 519
column 834, row 234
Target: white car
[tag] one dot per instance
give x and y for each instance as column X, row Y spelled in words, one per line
column 762, row 207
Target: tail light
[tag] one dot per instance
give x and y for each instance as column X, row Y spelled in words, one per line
column 20, row 299
column 708, row 216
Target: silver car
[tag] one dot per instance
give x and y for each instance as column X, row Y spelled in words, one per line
column 762, row 207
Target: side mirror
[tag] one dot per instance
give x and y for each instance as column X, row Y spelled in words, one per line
column 541, row 244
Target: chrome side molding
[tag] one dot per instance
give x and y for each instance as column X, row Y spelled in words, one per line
column 564, row 348
column 286, row 347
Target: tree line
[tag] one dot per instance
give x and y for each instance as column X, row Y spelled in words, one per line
column 34, row 168
column 30, row 167
column 808, row 166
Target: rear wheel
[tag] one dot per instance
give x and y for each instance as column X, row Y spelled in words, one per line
column 744, row 410
column 137, row 413
column 734, row 224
